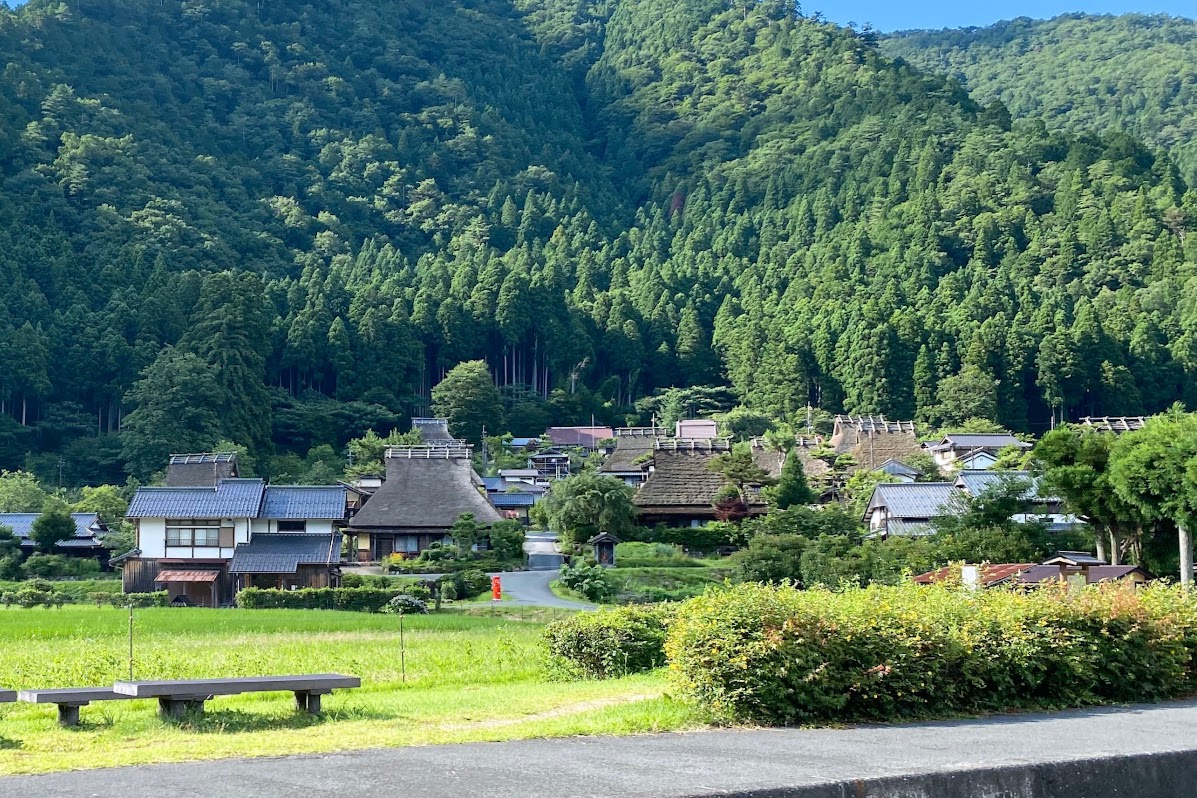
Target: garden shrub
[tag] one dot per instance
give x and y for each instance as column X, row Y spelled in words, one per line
column 589, row 580
column 466, row 584
column 610, row 642
column 778, row 655
column 405, row 604
column 352, row 599
column 49, row 566
column 653, row 555
column 159, row 598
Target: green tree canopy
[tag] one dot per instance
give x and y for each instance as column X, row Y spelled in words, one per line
column 467, row 396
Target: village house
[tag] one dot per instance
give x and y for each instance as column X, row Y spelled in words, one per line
column 1073, row 567
column 203, row 543
column 426, row 489
column 633, row 452
column 899, row 471
column 970, row 450
column 903, row 509
column 873, row 440
column 696, row 429
column 551, row 464
column 681, row 487
column 909, row 508
column 592, row 439
column 87, row 542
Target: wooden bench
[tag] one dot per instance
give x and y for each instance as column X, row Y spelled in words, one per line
column 69, row 699
column 176, row 697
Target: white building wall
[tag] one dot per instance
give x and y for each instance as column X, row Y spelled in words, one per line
column 151, row 537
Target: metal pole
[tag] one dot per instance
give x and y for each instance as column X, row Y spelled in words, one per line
column 130, row 640
column 402, row 652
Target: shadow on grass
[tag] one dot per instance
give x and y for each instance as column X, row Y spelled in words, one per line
column 229, row 721
column 9, row 745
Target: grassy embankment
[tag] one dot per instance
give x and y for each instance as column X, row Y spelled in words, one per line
column 472, row 675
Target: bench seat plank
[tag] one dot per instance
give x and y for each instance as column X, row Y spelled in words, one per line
column 7, row 696
column 71, row 695
column 191, row 688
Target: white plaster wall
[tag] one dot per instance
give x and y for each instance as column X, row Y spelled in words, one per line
column 151, row 537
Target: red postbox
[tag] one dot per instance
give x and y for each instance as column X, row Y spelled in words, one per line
column 496, row 588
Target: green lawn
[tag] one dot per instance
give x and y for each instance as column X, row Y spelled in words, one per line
column 470, row 675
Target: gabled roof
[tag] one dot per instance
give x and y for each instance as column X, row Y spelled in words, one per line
column 978, row 440
column 425, row 494
column 586, row 437
column 87, row 526
column 683, row 480
column 976, row 482
column 913, row 501
column 304, row 501
column 508, row 500
column 898, row 469
column 283, row 553
column 1093, row 575
column 231, row 498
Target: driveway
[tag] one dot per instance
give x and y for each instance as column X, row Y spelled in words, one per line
column 531, row 588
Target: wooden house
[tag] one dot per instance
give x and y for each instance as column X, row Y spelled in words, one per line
column 873, row 440
column 592, row 439
column 427, row 488
column 634, row 447
column 87, row 542
column 202, row 544
column 976, row 450
column 904, row 509
column 681, row 487
column 550, row 464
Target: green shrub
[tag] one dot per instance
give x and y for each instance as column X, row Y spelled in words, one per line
column 48, row 566
column 590, row 581
column 778, row 655
column 405, row 604
column 352, row 599
column 610, row 642
column 466, row 584
column 653, row 555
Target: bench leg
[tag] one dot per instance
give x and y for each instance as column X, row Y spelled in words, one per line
column 176, row 708
column 68, row 714
column 307, row 702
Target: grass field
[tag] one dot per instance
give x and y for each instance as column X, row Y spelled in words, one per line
column 470, row 676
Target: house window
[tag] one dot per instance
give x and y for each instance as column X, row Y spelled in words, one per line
column 192, row 532
column 290, row 525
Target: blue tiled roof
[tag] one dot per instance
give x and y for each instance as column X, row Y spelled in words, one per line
column 21, row 524
column 523, row 443
column 492, row 484
column 282, row 553
column 231, row 498
column 513, row 499
column 302, row 501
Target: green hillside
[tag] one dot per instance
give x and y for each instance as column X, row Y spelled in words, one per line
column 281, row 224
column 1134, row 73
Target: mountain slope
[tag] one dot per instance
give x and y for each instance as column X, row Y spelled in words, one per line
column 1134, row 73
column 294, row 219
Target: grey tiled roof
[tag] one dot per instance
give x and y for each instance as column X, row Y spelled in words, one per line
column 504, row 500
column 977, row 482
column 231, row 498
column 303, row 501
column 283, row 553
column 971, row 440
column 905, row 529
column 914, row 500
column 898, row 469
column 21, row 524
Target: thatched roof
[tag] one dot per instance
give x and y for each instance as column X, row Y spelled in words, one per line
column 628, row 448
column 425, row 494
column 200, row 470
column 683, row 480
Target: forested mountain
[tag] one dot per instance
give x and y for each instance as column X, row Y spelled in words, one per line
column 281, row 223
column 1082, row 72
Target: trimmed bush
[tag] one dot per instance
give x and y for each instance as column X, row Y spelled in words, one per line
column 777, row 655
column 352, row 599
column 405, row 604
column 160, row 598
column 610, row 642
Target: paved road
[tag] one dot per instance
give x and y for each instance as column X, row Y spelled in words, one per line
column 727, row 763
column 531, row 588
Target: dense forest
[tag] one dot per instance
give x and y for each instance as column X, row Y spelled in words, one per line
column 281, row 224
column 1135, row 73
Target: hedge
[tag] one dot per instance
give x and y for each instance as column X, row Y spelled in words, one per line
column 355, row 599
column 778, row 655
column 610, row 642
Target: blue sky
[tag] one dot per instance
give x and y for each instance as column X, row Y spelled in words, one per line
column 887, row 15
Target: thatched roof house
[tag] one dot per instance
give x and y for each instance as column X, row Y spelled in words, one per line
column 200, row 470
column 629, row 462
column 872, row 440
column 427, row 488
column 681, row 487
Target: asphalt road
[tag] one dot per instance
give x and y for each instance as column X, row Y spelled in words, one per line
column 531, row 588
column 757, row 762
